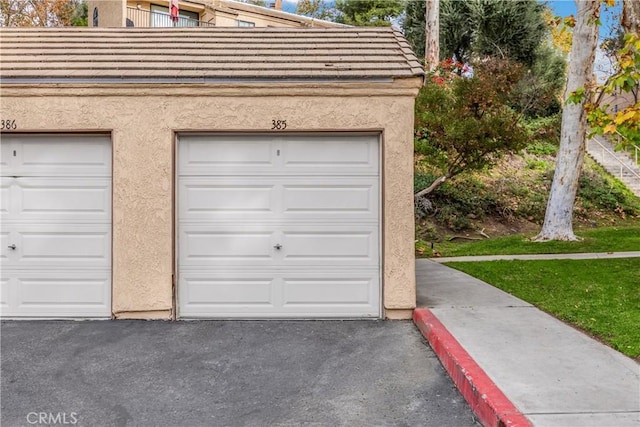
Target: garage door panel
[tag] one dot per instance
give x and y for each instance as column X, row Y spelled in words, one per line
column 6, row 152
column 63, row 246
column 228, row 155
column 56, row 293
column 4, row 294
column 5, row 193
column 57, row 199
column 62, row 291
column 228, row 289
column 5, row 241
column 334, row 291
column 59, row 155
column 207, row 199
column 330, row 155
column 273, row 198
column 308, row 293
column 329, row 245
column 331, row 200
column 247, row 155
column 220, row 246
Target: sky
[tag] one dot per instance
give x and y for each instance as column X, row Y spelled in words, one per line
column 563, row 7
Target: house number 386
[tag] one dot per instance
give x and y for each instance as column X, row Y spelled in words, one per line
column 8, row 125
column 278, row 124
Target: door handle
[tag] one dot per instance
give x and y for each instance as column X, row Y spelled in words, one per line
column 278, row 246
column 12, row 247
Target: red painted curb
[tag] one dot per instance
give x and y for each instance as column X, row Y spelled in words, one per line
column 487, row 401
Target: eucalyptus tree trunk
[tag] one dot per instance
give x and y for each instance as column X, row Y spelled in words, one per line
column 558, row 220
column 432, row 34
column 631, row 16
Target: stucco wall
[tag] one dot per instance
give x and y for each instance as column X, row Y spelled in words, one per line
column 264, row 21
column 143, row 122
column 223, row 19
column 111, row 13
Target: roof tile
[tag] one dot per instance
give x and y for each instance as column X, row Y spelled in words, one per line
column 174, row 54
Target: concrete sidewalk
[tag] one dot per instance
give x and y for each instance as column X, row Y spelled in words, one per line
column 510, row 359
column 533, row 257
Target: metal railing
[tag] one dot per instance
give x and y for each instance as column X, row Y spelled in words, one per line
column 146, row 18
column 635, row 149
column 622, row 165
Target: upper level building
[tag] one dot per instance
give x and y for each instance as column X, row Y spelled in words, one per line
column 196, row 13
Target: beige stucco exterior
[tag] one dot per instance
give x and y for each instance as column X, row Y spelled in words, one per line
column 143, row 123
column 114, row 14
column 111, row 13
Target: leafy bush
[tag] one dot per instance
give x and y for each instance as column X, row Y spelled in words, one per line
column 465, row 124
column 537, row 164
column 456, row 204
column 599, row 190
column 540, row 148
column 422, row 180
column 544, row 130
column 533, row 207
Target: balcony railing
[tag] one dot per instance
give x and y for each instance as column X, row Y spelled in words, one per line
column 145, row 18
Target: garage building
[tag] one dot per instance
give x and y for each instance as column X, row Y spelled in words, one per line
column 207, row 173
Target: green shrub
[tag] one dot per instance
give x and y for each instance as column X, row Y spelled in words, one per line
column 538, row 164
column 544, row 129
column 542, row 148
column 422, row 180
column 600, row 190
column 533, row 207
column 456, row 204
column 469, row 199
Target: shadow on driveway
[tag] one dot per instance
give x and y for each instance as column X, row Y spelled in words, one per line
column 216, row 373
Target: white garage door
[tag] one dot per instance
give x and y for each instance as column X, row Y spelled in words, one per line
column 278, row 226
column 56, row 226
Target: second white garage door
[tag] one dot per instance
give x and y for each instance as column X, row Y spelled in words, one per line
column 278, row 226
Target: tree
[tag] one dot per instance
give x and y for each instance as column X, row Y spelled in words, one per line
column 315, row 9
column 378, row 13
column 465, row 124
column 622, row 124
column 80, row 15
column 558, row 221
column 541, row 87
column 42, row 13
column 631, row 16
column 465, row 33
column 505, row 28
column 560, row 31
column 432, row 34
column 622, row 47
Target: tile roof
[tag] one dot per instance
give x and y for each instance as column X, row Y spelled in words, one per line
column 204, row 55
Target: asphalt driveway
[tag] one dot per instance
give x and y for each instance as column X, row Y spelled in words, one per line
column 214, row 373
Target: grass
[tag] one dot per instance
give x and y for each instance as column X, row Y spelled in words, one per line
column 608, row 239
column 599, row 296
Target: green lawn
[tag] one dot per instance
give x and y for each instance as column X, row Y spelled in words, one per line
column 600, row 296
column 609, row 239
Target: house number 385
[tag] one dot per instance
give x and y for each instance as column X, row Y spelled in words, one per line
column 278, row 124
